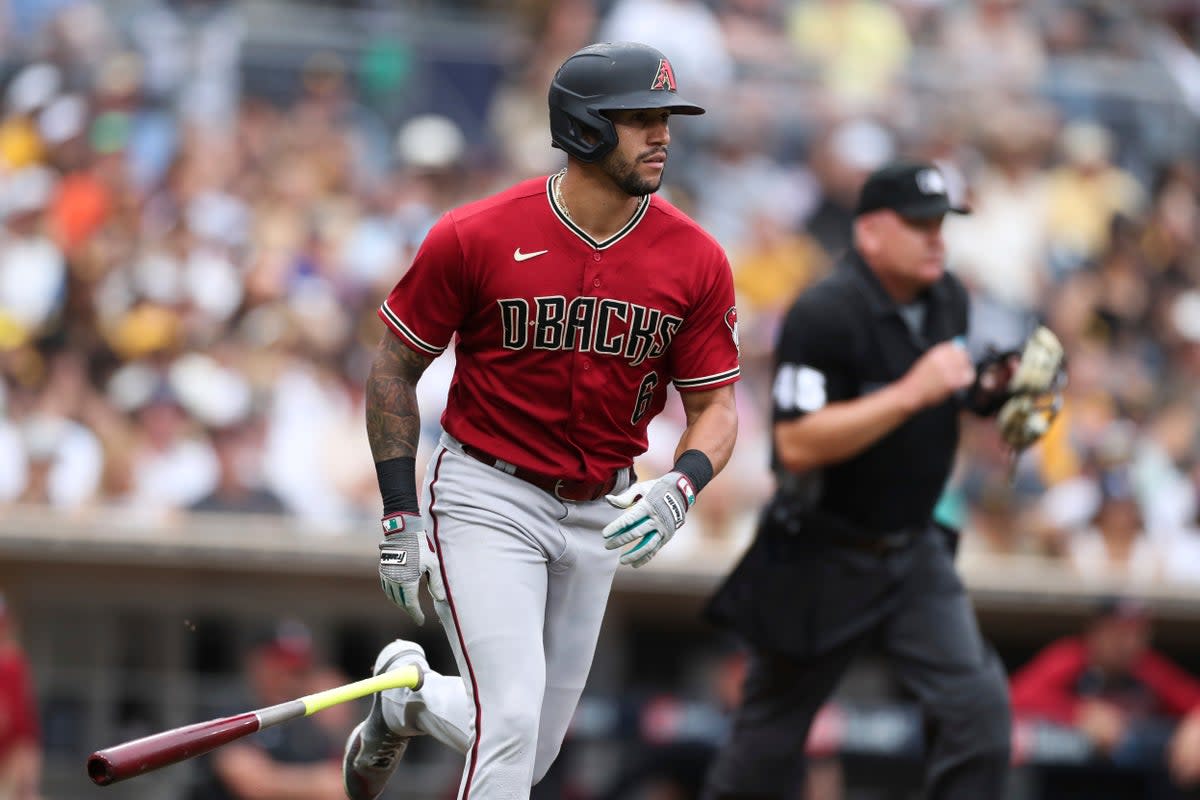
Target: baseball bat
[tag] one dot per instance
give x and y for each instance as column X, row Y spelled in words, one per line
column 139, row 756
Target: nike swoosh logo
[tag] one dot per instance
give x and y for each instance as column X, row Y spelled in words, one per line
column 519, row 256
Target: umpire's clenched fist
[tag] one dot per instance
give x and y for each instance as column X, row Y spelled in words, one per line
column 940, row 372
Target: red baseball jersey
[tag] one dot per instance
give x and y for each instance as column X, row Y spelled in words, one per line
column 566, row 345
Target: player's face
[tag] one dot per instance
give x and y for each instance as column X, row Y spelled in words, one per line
column 636, row 164
column 907, row 252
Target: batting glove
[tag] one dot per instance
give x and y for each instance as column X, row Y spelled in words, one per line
column 656, row 509
column 405, row 554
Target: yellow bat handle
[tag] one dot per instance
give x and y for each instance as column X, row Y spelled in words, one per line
column 405, row 677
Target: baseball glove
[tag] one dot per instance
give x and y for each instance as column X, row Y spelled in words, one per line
column 1035, row 391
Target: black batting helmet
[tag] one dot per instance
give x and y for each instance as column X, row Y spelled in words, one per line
column 609, row 76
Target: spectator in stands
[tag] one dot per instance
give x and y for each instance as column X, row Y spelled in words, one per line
column 1169, row 41
column 997, row 523
column 20, row 734
column 999, row 251
column 64, row 462
column 1086, row 192
column 517, row 114
column 1161, row 468
column 1115, row 545
column 1170, row 232
column 240, row 487
column 773, row 265
column 840, row 159
column 50, row 457
column 1183, row 552
column 33, row 271
column 992, row 47
column 756, row 35
column 858, row 49
column 310, row 405
column 1139, row 710
column 191, row 53
column 174, row 464
column 740, row 179
column 297, row 761
column 1001, row 499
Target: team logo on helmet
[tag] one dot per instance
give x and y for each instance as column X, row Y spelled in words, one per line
column 665, row 78
column 731, row 322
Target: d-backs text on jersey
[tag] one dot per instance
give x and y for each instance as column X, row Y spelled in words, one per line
column 600, row 325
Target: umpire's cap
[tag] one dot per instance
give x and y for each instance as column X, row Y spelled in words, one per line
column 609, row 76
column 913, row 189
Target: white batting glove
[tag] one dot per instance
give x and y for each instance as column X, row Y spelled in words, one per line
column 404, row 556
column 656, row 509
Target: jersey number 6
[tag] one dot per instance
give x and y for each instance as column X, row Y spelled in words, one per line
column 644, row 396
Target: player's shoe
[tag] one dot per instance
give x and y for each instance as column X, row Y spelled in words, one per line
column 373, row 750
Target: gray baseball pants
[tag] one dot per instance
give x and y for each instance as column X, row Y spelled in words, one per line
column 527, row 581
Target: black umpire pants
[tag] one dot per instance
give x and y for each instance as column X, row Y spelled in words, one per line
column 931, row 640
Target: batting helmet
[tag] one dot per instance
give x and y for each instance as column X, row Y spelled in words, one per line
column 609, row 76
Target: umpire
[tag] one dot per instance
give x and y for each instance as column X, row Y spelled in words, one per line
column 870, row 378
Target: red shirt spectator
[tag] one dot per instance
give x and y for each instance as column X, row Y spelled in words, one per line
column 1108, row 679
column 20, row 736
column 18, row 715
column 1062, row 677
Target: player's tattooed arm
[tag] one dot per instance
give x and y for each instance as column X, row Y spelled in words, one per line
column 393, row 417
column 712, row 424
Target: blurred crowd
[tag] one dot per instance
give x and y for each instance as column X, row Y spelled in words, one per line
column 189, row 268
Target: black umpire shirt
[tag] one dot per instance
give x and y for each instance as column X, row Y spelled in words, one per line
column 842, row 339
column 805, row 585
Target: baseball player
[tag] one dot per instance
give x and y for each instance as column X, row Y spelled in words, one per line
column 576, row 300
column 870, row 378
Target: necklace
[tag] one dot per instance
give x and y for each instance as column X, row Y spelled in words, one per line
column 556, row 182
